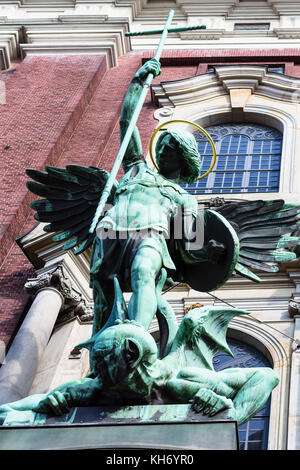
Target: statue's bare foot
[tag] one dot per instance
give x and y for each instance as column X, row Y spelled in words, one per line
column 210, row 403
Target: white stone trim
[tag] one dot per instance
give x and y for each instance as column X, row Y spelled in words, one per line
column 66, row 38
column 9, row 44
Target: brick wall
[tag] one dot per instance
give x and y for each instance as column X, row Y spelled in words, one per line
column 45, row 99
column 202, row 58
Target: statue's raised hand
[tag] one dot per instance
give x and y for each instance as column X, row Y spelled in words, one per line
column 151, row 66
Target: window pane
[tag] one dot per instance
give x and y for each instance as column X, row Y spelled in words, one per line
column 251, row 26
column 256, row 445
column 248, row 159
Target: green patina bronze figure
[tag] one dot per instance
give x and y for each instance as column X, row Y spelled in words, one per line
column 148, row 224
column 150, row 235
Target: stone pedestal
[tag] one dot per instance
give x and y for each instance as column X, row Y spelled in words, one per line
column 131, row 427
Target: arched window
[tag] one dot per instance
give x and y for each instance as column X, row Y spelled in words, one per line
column 248, row 159
column 253, row 435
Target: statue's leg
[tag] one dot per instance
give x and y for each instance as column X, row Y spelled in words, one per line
column 254, row 387
column 145, row 267
column 242, row 391
column 168, row 326
column 191, row 379
column 103, row 295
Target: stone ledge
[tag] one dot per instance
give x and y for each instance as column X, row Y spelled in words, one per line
column 132, row 427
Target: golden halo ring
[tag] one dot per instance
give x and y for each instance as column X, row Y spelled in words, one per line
column 197, row 127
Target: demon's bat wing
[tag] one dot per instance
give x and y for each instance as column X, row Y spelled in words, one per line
column 202, row 334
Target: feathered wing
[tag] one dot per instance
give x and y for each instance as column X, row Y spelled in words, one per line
column 70, row 199
column 263, row 229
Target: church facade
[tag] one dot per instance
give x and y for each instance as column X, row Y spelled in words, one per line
column 65, row 66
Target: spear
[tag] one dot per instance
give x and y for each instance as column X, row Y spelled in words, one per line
column 130, row 129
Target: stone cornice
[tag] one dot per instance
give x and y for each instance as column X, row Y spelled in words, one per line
column 68, row 36
column 10, row 37
column 253, row 10
column 285, row 7
column 287, row 33
column 224, row 79
column 233, row 9
column 45, row 3
column 212, row 34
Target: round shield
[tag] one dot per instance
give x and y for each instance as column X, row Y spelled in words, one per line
column 206, row 276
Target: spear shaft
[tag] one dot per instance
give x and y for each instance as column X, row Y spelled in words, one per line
column 130, row 129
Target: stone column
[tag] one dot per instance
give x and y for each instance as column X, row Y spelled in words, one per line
column 21, row 362
column 293, row 441
column 293, row 437
column 53, row 294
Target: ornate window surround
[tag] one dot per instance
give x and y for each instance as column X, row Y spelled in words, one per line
column 239, row 93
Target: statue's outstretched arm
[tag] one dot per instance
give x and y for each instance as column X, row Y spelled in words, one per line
column 85, row 392
column 134, row 148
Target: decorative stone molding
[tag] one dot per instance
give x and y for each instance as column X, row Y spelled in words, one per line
column 252, row 10
column 287, row 33
column 73, row 302
column 55, row 3
column 294, row 306
column 223, row 80
column 82, row 18
column 9, row 43
column 207, row 34
column 217, row 202
column 207, row 8
column 102, row 37
column 164, row 113
column 294, row 302
column 285, row 7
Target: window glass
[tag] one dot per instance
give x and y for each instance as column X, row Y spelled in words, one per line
column 248, row 159
column 251, row 26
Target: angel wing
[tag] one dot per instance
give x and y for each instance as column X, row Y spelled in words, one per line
column 70, row 199
column 264, row 230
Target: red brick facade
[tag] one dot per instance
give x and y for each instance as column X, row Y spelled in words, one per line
column 65, row 109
